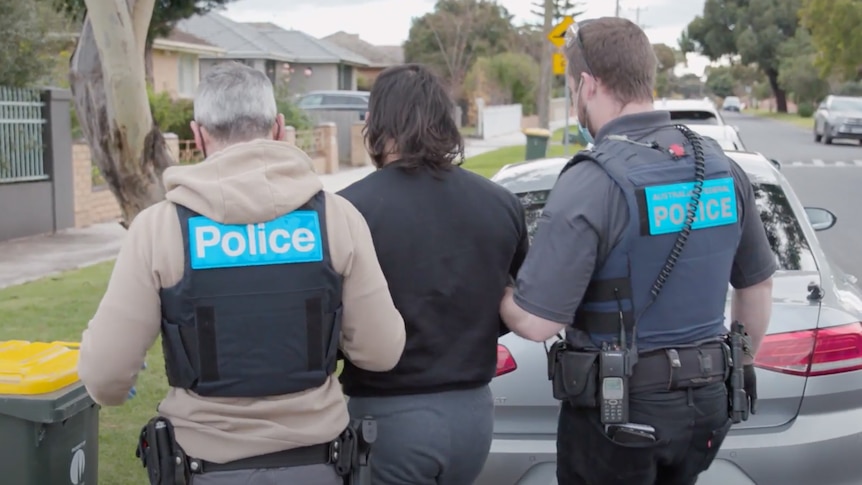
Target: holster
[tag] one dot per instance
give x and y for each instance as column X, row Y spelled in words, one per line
column 737, row 397
column 161, row 455
column 574, row 375
column 352, row 449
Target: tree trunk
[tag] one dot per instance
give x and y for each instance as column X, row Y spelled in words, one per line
column 780, row 95
column 148, row 65
column 107, row 80
column 543, row 93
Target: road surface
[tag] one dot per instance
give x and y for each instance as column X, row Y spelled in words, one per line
column 828, row 176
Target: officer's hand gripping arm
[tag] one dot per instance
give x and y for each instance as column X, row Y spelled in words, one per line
column 753, row 306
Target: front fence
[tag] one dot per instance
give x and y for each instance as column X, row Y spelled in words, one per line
column 22, row 150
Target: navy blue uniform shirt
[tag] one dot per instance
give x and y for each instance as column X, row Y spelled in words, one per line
column 586, row 215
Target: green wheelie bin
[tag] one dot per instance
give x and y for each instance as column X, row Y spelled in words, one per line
column 49, row 425
column 537, row 143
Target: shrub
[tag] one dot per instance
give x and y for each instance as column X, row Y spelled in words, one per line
column 507, row 78
column 172, row 116
column 805, row 110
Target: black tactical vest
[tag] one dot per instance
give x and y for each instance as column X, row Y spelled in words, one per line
column 258, row 310
column 657, row 186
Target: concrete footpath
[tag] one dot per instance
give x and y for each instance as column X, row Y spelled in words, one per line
column 32, row 258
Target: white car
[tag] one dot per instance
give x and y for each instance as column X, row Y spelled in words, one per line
column 691, row 111
column 808, row 427
column 726, row 135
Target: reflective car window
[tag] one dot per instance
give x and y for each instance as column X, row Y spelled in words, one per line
column 789, row 246
column 695, row 117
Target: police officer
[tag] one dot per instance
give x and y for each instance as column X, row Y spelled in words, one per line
column 255, row 277
column 632, row 257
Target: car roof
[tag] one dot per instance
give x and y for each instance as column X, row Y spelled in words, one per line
column 336, row 91
column 541, row 174
column 712, row 131
column 683, row 105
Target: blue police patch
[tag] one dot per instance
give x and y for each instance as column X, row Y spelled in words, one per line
column 291, row 238
column 667, row 205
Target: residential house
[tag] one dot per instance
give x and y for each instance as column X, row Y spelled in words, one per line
column 303, row 62
column 176, row 63
column 379, row 56
column 318, row 64
column 241, row 43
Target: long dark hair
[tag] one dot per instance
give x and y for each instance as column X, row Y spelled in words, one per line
column 411, row 115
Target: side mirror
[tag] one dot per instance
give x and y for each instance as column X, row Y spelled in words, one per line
column 775, row 163
column 820, row 219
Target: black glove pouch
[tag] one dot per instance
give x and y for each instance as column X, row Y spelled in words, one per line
column 574, row 375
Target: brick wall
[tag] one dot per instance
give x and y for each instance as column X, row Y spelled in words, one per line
column 96, row 204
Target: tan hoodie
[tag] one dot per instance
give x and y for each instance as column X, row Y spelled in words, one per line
column 242, row 184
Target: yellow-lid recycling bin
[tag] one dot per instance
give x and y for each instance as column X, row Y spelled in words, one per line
column 49, row 425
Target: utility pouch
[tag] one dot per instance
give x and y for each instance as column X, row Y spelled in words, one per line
column 161, row 455
column 574, row 375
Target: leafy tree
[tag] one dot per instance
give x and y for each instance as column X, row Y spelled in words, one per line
column 835, row 32
column 505, row 79
column 32, row 35
column 753, row 30
column 798, row 73
column 720, row 81
column 667, row 58
column 455, row 34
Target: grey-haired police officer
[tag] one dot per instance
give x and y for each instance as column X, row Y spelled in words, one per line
column 632, row 256
column 255, row 277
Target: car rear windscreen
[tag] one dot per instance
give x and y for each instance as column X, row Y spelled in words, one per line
column 695, row 117
column 789, row 246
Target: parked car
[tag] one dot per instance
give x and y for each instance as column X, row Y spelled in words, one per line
column 732, row 103
column 691, row 111
column 727, row 136
column 838, row 117
column 333, row 99
column 808, row 426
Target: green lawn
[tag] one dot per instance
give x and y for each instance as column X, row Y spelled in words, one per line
column 785, row 117
column 488, row 164
column 59, row 307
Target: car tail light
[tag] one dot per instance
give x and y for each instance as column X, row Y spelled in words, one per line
column 818, row 352
column 505, row 361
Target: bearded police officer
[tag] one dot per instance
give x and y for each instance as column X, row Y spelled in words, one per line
column 632, row 256
column 255, row 278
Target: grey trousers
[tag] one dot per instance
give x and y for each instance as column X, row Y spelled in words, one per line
column 300, row 475
column 429, row 439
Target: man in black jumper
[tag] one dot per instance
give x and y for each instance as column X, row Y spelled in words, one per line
column 448, row 241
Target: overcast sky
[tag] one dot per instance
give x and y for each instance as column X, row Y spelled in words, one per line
column 387, row 22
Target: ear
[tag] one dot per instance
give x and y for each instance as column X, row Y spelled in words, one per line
column 196, row 131
column 591, row 85
column 366, row 117
column 278, row 132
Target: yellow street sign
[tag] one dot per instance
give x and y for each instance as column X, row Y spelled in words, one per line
column 557, row 36
column 559, row 64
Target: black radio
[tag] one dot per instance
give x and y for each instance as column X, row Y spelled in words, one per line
column 614, row 388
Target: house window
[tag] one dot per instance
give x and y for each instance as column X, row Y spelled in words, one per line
column 187, row 71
